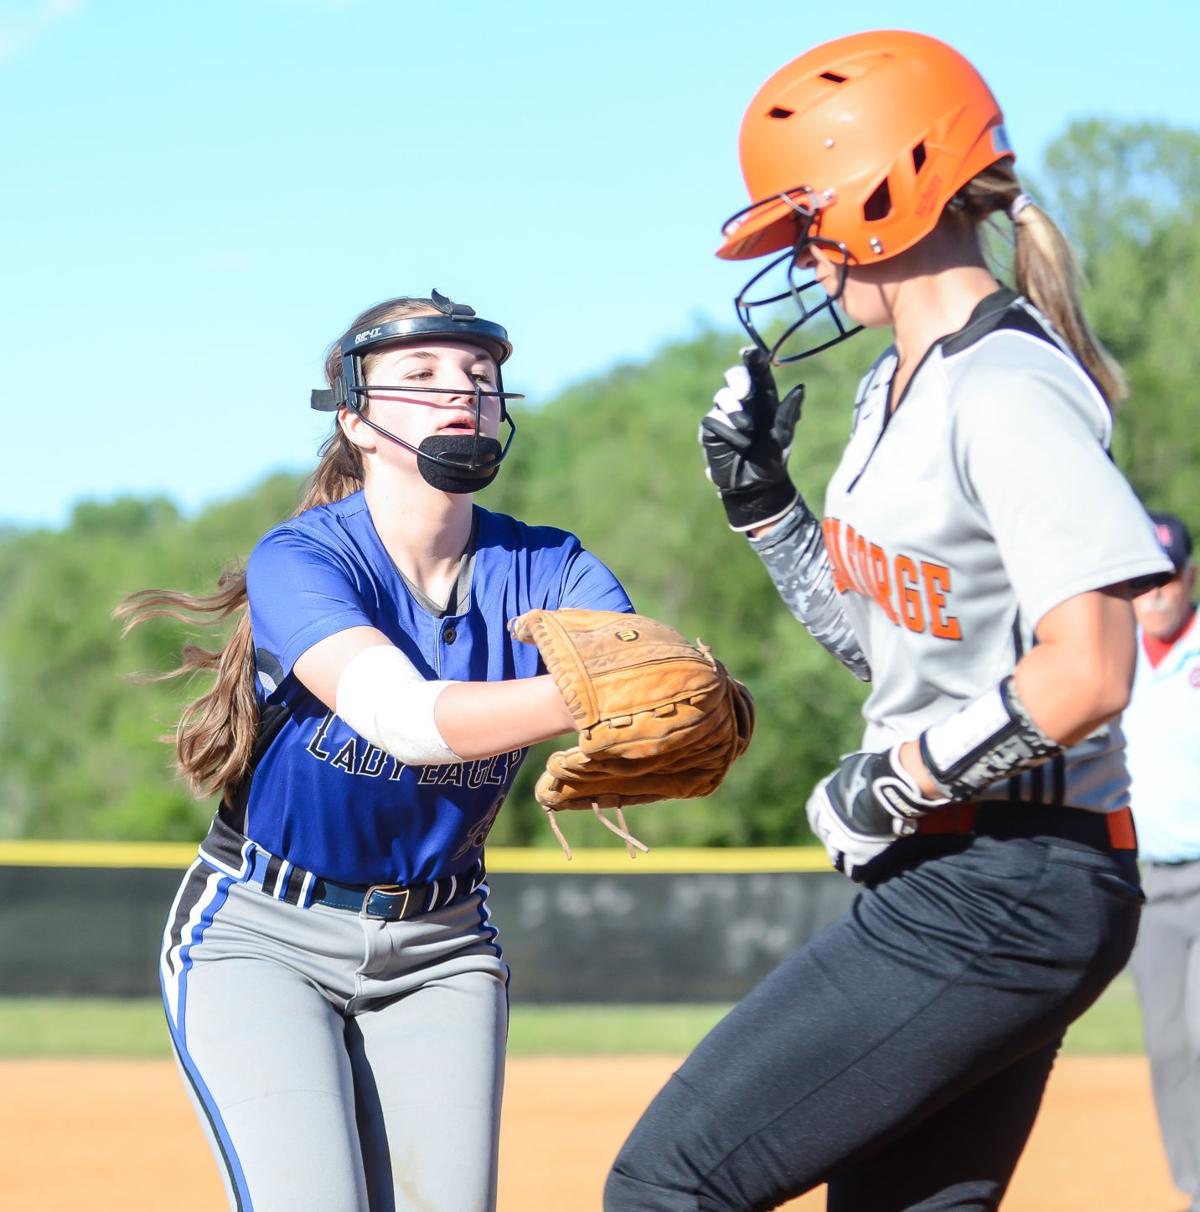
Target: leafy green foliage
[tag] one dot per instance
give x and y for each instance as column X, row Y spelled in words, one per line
column 78, row 737
column 615, row 460
column 1128, row 195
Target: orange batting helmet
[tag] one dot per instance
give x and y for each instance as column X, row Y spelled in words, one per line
column 858, row 145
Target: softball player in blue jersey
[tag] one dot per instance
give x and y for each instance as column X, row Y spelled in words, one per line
column 334, row 990
column 975, row 565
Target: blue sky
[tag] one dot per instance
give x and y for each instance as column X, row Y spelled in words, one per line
column 198, row 195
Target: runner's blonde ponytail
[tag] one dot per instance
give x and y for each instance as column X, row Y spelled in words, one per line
column 1045, row 268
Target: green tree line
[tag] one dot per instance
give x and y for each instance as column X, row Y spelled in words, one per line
column 615, row 460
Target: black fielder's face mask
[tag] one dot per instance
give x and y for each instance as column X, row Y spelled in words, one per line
column 458, row 462
column 761, row 304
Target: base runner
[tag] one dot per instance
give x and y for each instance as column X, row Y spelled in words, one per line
column 974, row 564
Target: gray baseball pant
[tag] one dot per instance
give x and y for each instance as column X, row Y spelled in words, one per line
column 338, row 1061
column 1166, row 970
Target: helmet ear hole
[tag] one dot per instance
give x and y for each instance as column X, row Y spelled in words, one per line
column 918, row 157
column 879, row 204
column 778, row 111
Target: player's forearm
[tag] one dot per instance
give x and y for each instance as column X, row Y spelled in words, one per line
column 1075, row 680
column 793, row 551
column 383, row 697
column 478, row 719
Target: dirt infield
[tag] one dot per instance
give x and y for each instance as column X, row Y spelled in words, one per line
column 107, row 1135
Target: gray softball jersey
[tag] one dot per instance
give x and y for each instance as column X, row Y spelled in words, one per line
column 954, row 523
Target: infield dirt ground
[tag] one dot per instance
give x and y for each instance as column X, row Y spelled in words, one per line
column 109, row 1135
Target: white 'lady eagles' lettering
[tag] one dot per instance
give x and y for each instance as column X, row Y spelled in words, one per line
column 358, row 757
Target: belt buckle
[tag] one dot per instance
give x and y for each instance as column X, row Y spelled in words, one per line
column 390, row 890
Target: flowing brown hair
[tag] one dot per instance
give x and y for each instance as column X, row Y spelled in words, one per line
column 1045, row 268
column 215, row 735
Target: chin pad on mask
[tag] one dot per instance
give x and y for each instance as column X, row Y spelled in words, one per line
column 444, row 461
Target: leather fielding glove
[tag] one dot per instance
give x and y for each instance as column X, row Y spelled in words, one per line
column 747, row 437
column 658, row 718
column 863, row 807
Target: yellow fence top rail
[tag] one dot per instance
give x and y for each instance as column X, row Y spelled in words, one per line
column 34, row 853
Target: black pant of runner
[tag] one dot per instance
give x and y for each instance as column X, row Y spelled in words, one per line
column 901, row 1054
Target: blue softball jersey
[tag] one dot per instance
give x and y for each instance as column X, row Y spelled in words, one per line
column 320, row 795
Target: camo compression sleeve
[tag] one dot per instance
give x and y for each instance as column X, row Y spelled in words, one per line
column 793, row 551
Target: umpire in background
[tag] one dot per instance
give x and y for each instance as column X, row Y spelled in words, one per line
column 1162, row 728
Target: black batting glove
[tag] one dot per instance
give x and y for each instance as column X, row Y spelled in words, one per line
column 747, row 436
column 864, row 806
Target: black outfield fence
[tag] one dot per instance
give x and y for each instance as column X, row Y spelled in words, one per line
column 86, row 919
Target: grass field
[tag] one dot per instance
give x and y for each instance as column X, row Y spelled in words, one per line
column 38, row 1027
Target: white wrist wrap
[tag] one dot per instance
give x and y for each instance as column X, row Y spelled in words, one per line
column 990, row 738
column 383, row 697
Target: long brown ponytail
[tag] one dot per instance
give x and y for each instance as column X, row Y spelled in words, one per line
column 215, row 734
column 1045, row 269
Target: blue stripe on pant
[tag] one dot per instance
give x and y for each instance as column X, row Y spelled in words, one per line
column 901, row 1054
column 201, row 895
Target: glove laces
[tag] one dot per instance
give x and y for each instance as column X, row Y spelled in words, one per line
column 632, row 844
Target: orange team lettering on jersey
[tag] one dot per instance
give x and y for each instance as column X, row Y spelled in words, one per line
column 912, row 593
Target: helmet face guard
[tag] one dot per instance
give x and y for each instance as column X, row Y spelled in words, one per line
column 451, row 462
column 782, row 278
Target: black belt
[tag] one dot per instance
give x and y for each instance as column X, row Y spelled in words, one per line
column 394, row 902
column 228, row 850
column 1102, row 830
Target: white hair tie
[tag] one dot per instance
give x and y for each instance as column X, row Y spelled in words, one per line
column 1019, row 203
